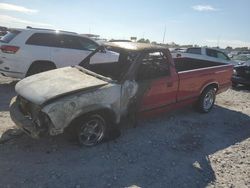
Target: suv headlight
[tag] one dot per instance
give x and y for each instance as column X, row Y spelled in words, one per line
column 234, row 72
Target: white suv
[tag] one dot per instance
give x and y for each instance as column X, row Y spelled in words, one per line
column 205, row 54
column 24, row 52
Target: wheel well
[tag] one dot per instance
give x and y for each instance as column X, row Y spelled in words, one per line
column 47, row 63
column 214, row 85
column 108, row 114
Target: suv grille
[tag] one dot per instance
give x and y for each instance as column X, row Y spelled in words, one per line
column 243, row 72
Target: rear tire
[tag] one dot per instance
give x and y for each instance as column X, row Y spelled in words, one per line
column 207, row 99
column 39, row 67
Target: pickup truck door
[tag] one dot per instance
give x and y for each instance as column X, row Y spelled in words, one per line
column 158, row 83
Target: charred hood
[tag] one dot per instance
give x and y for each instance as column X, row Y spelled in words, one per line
column 49, row 85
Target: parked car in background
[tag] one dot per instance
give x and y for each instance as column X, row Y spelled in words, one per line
column 3, row 31
column 236, row 53
column 242, row 70
column 205, row 54
column 242, row 58
column 91, row 99
column 24, row 52
column 119, row 40
column 175, row 50
column 244, row 52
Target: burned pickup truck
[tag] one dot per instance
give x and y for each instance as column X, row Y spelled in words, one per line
column 91, row 99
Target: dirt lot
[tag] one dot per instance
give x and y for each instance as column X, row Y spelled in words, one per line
column 180, row 149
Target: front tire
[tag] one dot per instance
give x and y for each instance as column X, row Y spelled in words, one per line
column 91, row 131
column 207, row 99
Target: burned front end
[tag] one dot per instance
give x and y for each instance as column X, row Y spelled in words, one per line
column 29, row 117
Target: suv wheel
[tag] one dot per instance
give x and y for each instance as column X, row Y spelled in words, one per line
column 207, row 99
column 92, row 130
column 39, row 67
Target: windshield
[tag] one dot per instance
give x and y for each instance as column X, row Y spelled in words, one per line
column 113, row 70
column 242, row 57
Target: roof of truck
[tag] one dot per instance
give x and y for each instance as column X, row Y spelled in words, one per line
column 134, row 46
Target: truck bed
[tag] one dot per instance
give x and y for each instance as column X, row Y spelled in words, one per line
column 186, row 64
column 195, row 75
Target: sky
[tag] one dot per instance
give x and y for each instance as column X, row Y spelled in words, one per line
column 202, row 22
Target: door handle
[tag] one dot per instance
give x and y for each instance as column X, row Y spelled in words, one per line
column 169, row 84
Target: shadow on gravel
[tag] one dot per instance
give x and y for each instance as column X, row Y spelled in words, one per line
column 170, row 151
column 7, row 92
column 10, row 134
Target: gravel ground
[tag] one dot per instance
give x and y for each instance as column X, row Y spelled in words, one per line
column 179, row 149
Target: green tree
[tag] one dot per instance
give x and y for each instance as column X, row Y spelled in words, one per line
column 142, row 40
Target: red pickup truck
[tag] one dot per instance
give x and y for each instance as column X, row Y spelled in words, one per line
column 91, row 99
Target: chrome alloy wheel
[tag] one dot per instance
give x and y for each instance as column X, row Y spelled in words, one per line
column 92, row 131
column 209, row 100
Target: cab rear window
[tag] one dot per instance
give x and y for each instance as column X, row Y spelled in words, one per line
column 194, row 51
column 9, row 36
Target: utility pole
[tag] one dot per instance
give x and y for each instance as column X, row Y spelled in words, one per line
column 164, row 34
column 218, row 41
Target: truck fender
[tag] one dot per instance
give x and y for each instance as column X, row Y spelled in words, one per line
column 104, row 110
column 214, row 84
column 59, row 124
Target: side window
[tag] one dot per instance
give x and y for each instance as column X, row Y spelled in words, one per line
column 43, row 39
column 211, row 53
column 87, row 44
column 61, row 41
column 9, row 36
column 154, row 65
column 194, row 51
column 70, row 42
column 222, row 56
column 217, row 54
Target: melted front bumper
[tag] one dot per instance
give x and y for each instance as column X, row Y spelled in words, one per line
column 23, row 122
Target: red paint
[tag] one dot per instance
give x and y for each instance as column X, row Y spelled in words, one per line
column 161, row 92
column 178, row 90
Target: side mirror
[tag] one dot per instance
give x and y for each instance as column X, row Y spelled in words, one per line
column 102, row 49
